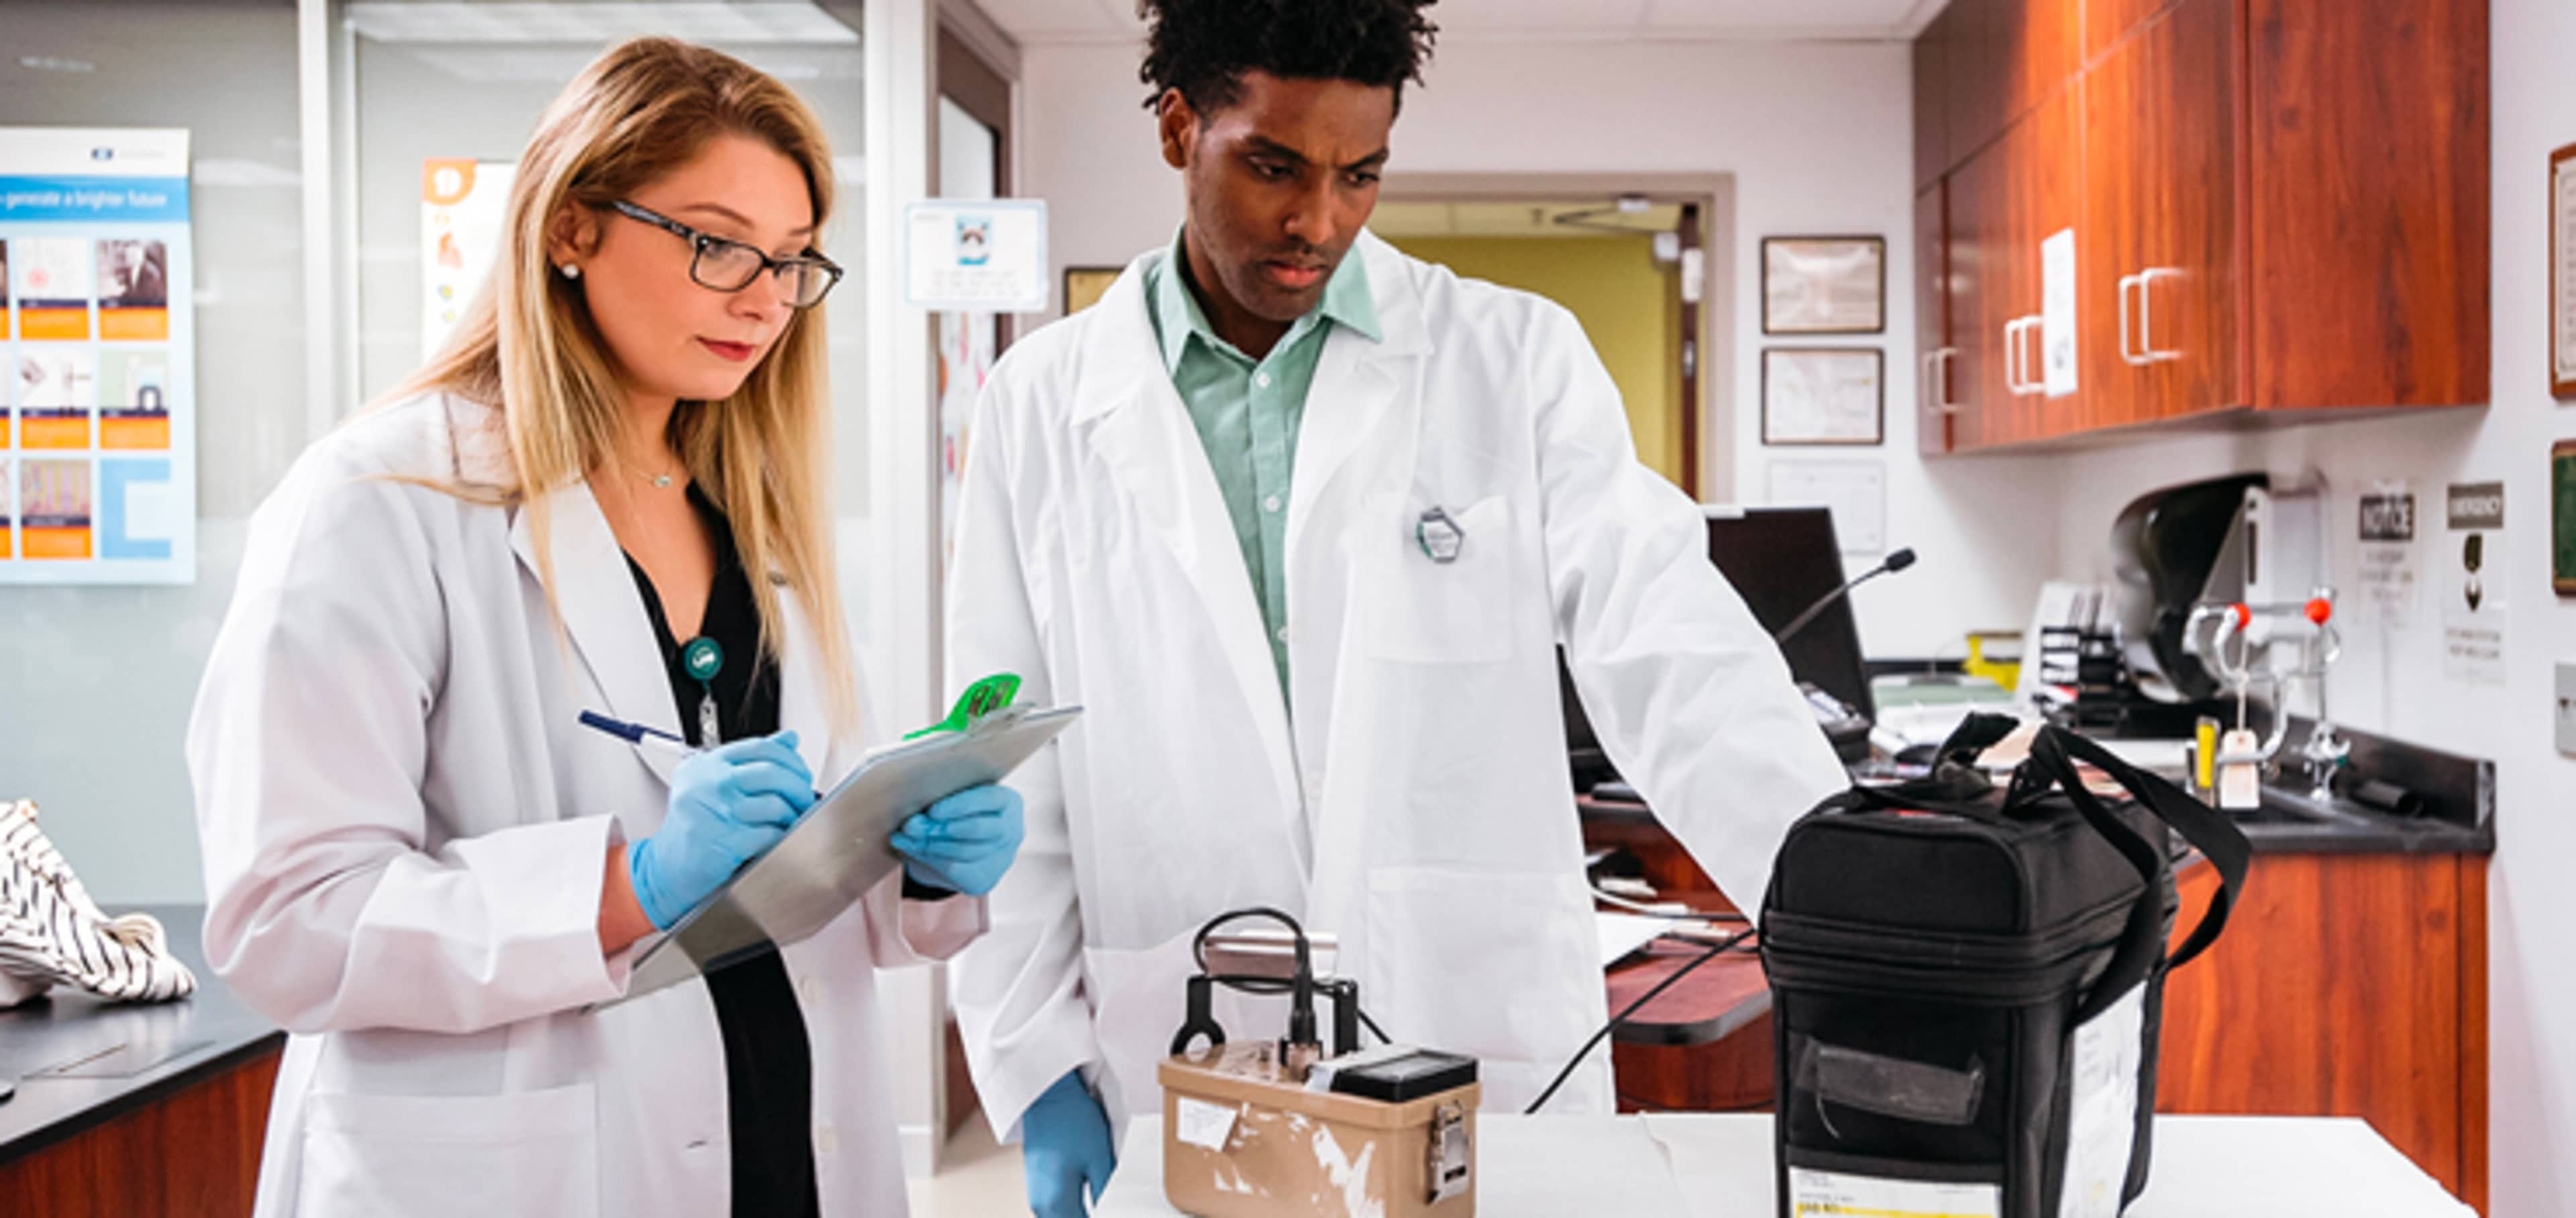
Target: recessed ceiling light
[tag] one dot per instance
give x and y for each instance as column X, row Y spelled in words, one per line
column 49, row 63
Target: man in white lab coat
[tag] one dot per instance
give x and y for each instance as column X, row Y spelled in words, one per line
column 1333, row 693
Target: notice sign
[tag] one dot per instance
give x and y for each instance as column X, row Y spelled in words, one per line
column 988, row 256
column 2389, row 566
column 2473, row 611
column 98, row 462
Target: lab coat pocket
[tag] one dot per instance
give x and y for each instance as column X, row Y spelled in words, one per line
column 528, row 1153
column 1478, row 962
column 1424, row 611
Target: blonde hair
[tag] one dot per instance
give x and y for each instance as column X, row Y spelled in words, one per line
column 527, row 344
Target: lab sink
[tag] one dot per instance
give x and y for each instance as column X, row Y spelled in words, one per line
column 2284, row 806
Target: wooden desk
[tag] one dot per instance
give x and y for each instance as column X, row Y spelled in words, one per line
column 1705, row 1044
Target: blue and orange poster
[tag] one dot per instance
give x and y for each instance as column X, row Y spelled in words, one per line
column 98, row 420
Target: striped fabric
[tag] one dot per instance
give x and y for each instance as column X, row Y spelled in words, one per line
column 51, row 933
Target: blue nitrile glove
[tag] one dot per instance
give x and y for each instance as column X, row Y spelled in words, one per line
column 964, row 842
column 727, row 805
column 1064, row 1145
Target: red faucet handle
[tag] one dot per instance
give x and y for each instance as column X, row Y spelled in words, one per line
column 2319, row 610
column 2239, row 616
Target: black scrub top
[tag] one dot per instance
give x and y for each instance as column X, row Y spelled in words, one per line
column 769, row 1067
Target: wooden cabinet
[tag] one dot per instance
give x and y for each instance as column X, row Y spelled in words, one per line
column 2279, row 207
column 1935, row 354
column 2004, row 203
column 2367, row 260
column 2106, row 22
column 2001, row 59
column 191, row 1153
column 2158, row 246
column 2346, row 985
column 1931, row 138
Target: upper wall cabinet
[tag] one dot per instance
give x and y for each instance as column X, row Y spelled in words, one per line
column 1989, row 63
column 2275, row 206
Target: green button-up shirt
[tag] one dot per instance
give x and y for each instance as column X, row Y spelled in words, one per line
column 1247, row 412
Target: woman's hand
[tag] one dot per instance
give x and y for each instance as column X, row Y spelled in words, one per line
column 964, row 842
column 728, row 804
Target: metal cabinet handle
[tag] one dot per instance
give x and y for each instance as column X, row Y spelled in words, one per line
column 2147, row 352
column 1935, row 390
column 2017, row 358
column 2128, row 354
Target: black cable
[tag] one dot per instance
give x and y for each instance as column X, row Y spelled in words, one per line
column 1622, row 1017
column 1272, row 987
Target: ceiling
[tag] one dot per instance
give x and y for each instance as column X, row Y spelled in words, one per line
column 1040, row 22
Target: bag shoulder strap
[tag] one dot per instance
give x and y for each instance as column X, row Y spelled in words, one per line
column 2217, row 838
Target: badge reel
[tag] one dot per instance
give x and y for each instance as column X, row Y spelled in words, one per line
column 1439, row 536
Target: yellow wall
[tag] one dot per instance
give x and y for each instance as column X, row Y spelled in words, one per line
column 1629, row 306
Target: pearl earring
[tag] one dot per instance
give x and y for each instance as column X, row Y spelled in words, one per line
column 570, row 271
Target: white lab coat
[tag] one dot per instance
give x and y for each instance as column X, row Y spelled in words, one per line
column 405, row 830
column 1418, row 802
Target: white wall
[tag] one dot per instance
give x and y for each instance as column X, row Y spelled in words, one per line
column 1818, row 138
column 2391, row 680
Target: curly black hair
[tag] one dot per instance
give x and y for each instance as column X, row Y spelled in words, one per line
column 1203, row 47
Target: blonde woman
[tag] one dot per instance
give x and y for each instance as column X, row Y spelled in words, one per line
column 606, row 494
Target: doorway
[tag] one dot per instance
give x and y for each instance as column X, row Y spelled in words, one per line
column 1635, row 259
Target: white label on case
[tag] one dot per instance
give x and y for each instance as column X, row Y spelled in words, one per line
column 1205, row 1125
column 1820, row 1194
column 2102, row 1107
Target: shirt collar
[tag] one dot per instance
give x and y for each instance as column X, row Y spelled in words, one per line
column 1347, row 302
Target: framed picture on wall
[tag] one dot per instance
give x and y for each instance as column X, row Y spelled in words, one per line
column 1824, row 395
column 2562, row 517
column 1085, row 285
column 1824, row 285
column 2562, row 273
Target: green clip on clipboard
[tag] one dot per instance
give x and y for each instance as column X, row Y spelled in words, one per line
column 838, row 851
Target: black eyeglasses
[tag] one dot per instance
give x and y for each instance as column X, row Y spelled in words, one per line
column 731, row 266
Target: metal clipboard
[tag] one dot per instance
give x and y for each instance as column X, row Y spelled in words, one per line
column 838, row 851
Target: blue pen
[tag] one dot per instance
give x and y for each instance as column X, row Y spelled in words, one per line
column 641, row 736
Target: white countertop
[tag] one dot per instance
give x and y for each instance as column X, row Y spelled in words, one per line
column 1713, row 1165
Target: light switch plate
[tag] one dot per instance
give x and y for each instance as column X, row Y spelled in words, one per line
column 2567, row 709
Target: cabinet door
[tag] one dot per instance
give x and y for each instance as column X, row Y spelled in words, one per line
column 1980, row 290
column 1933, row 353
column 2367, row 162
column 2106, row 22
column 2159, row 250
column 2036, row 174
column 1931, row 85
column 2002, row 58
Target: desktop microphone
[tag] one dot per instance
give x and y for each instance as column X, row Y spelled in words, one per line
column 1893, row 563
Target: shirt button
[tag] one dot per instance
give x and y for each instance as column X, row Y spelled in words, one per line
column 1261, row 379
column 1270, row 504
column 826, row 1141
column 811, row 989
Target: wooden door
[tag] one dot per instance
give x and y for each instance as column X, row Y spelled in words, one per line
column 2159, row 250
column 2003, row 58
column 1933, row 353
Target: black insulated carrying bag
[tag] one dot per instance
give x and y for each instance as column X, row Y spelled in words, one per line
column 1967, row 985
